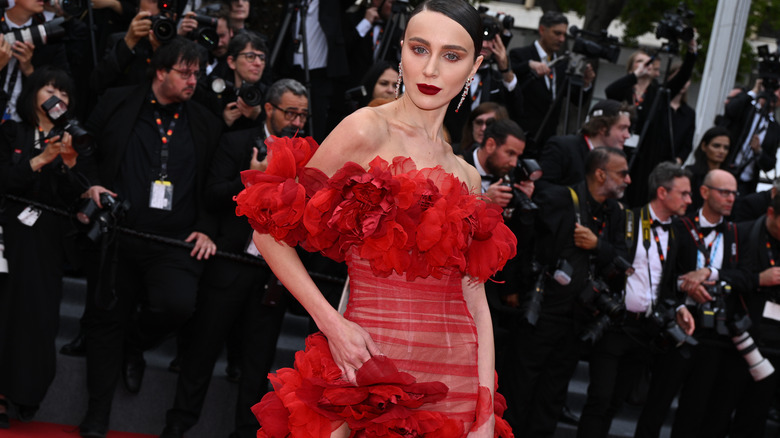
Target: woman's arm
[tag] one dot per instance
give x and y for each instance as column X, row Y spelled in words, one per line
column 474, row 294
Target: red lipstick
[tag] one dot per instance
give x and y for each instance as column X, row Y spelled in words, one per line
column 430, row 90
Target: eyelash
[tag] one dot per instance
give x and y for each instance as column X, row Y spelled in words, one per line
column 449, row 56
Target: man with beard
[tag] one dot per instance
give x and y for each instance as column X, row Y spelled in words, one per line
column 621, row 356
column 707, row 253
column 582, row 233
column 153, row 149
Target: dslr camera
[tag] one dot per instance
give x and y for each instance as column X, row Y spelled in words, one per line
column 251, row 94
column 527, row 169
column 768, row 71
column 57, row 111
column 38, row 34
column 496, row 23
column 100, row 219
column 597, row 297
column 206, row 32
column 664, row 316
column 163, row 26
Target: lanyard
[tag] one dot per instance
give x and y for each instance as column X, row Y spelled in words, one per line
column 770, row 253
column 648, row 229
column 705, row 250
column 165, row 136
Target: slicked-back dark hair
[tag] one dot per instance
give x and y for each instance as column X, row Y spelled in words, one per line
column 553, row 18
column 499, row 130
column 178, row 49
column 460, row 12
column 41, row 77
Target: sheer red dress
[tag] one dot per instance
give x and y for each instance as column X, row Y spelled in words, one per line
column 408, row 236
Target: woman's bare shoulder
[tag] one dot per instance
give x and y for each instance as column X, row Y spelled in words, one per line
column 357, row 138
column 469, row 175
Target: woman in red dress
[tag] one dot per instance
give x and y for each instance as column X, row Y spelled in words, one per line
column 413, row 354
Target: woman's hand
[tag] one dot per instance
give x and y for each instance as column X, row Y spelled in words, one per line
column 351, row 346
column 53, row 148
column 67, row 152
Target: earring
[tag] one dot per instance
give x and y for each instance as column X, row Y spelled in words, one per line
column 465, row 93
column 399, row 81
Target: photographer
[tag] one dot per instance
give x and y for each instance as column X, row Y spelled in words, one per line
column 587, row 231
column 619, row 358
column 755, row 134
column 20, row 59
column 563, row 157
column 33, row 165
column 217, row 59
column 240, row 104
column 540, row 83
column 739, row 403
column 365, row 35
column 127, row 58
column 493, row 82
column 640, row 89
column 706, row 253
column 231, row 292
column 154, row 147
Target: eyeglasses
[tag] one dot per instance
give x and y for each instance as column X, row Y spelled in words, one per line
column 682, row 193
column 724, row 192
column 481, row 122
column 251, row 56
column 187, row 74
column 622, row 173
column 291, row 115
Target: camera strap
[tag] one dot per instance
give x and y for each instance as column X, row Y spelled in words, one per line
column 581, row 213
column 698, row 237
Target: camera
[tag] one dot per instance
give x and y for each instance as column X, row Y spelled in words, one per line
column 206, row 32
column 768, row 71
column 250, row 94
column 600, row 45
column 759, row 367
column 99, row 219
column 57, row 111
column 262, row 149
column 527, row 169
column 597, row 297
column 712, row 314
column 673, row 26
column 664, row 316
column 38, row 34
column 163, row 27
column 496, row 23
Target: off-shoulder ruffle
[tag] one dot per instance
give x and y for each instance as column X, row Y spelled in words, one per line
column 416, row 222
column 313, row 400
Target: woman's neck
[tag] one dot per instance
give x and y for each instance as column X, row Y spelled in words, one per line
column 713, row 165
column 45, row 124
column 428, row 121
column 676, row 102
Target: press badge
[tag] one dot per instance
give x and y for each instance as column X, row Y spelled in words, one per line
column 29, row 216
column 161, row 196
column 772, row 311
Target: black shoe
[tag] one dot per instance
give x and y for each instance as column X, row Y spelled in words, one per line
column 569, row 417
column 93, row 428
column 133, row 373
column 172, row 431
column 233, row 373
column 76, row 347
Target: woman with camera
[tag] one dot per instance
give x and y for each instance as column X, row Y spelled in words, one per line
column 34, row 170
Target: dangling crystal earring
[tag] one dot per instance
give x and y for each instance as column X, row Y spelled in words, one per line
column 465, row 93
column 400, row 79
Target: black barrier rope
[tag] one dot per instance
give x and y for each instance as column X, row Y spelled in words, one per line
column 255, row 261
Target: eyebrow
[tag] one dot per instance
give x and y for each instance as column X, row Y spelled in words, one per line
column 448, row 46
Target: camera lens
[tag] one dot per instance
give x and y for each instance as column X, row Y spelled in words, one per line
column 164, row 28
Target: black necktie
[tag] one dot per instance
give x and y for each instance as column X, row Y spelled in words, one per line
column 705, row 231
column 664, row 226
column 490, row 178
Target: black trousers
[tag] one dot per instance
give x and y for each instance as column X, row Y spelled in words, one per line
column 617, row 361
column 229, row 292
column 738, row 406
column 691, row 371
column 162, row 281
column 545, row 357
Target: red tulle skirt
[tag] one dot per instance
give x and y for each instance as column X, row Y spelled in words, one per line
column 426, row 384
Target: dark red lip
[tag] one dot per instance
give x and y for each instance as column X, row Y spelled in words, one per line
column 430, row 90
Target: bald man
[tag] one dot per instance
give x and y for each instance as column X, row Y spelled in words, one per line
column 707, row 254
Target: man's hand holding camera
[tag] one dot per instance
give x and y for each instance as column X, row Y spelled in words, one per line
column 140, row 28
column 694, row 284
column 501, row 193
column 23, row 52
column 255, row 164
column 685, row 320
column 187, row 24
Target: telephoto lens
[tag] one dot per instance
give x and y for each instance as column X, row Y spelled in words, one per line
column 760, row 368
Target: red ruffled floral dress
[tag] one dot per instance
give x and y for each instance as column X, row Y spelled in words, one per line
column 408, row 236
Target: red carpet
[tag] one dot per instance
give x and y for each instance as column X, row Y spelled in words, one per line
column 49, row 430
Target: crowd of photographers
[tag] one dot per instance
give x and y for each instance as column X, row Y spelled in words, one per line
column 626, row 257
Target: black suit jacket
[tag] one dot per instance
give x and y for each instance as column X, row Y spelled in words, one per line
column 536, row 97
column 563, row 159
column 360, row 50
column 739, row 115
column 112, row 122
column 555, row 240
column 754, row 258
column 751, row 207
